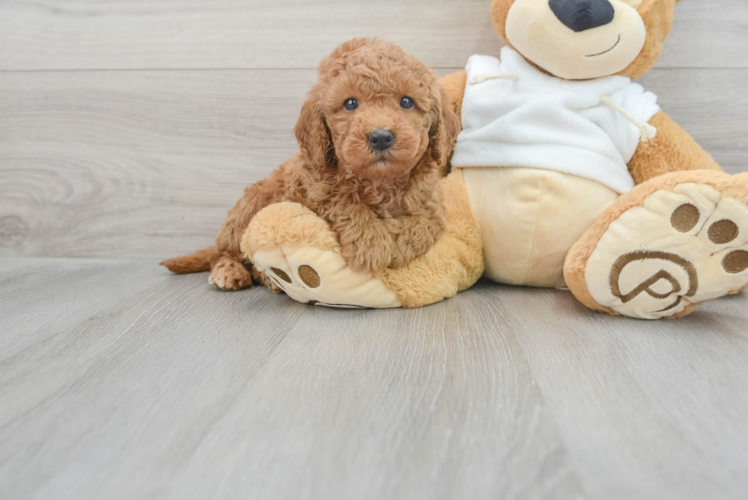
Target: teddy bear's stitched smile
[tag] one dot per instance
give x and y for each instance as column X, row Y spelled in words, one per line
column 574, row 42
column 606, row 51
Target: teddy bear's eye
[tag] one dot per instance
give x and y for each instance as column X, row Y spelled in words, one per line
column 406, row 103
column 351, row 104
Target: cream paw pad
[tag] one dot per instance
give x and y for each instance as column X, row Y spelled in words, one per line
column 676, row 249
column 297, row 250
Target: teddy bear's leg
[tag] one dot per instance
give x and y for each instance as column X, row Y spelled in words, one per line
column 670, row 244
column 299, row 252
column 672, row 150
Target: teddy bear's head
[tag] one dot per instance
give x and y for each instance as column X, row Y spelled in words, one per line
column 584, row 39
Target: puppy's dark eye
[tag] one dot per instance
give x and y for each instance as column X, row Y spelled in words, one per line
column 351, row 104
column 406, row 103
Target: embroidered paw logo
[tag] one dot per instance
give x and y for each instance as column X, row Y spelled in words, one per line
column 656, row 286
column 676, row 249
column 677, row 277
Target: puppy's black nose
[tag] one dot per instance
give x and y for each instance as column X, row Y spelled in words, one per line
column 381, row 139
column 582, row 15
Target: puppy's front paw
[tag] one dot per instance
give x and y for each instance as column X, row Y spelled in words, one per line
column 230, row 275
column 415, row 238
column 369, row 250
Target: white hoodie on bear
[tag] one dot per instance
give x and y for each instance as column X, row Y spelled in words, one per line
column 541, row 121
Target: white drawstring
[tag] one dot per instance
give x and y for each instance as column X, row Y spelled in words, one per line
column 478, row 79
column 647, row 131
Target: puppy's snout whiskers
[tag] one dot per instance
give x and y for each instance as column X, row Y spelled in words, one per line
column 383, row 157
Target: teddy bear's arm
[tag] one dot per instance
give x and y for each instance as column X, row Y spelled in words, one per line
column 454, row 84
column 672, row 150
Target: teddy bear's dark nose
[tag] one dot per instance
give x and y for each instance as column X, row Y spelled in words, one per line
column 582, row 15
column 381, row 139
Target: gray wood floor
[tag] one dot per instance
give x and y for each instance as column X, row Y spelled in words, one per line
column 128, row 127
column 120, row 381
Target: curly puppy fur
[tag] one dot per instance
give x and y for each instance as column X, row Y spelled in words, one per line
column 384, row 206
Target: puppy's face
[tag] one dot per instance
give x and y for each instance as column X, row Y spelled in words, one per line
column 379, row 129
column 381, row 108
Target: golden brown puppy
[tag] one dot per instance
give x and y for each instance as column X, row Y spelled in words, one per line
column 373, row 135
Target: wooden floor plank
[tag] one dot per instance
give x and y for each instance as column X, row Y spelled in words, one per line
column 45, row 296
column 202, row 394
column 130, row 390
column 432, row 403
column 141, row 34
column 180, row 391
column 145, row 164
column 649, row 410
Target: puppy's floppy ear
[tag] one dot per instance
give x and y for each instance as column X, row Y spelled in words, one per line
column 315, row 140
column 445, row 127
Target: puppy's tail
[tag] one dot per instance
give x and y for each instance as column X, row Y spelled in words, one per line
column 198, row 262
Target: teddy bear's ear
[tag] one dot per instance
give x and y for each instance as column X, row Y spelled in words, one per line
column 499, row 13
column 658, row 19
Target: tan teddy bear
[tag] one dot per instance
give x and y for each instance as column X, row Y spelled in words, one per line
column 566, row 173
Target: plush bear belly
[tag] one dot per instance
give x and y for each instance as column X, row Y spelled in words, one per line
column 530, row 218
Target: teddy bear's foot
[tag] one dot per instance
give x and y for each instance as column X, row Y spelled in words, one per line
column 670, row 244
column 298, row 252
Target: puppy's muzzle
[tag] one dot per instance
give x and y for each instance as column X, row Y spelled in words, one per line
column 381, row 139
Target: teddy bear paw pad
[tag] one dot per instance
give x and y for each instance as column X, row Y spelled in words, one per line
column 678, row 249
column 321, row 277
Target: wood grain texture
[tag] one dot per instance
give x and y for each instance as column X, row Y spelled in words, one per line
column 144, row 164
column 199, row 393
column 128, row 127
column 142, row 34
column 171, row 389
column 648, row 410
column 70, row 292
